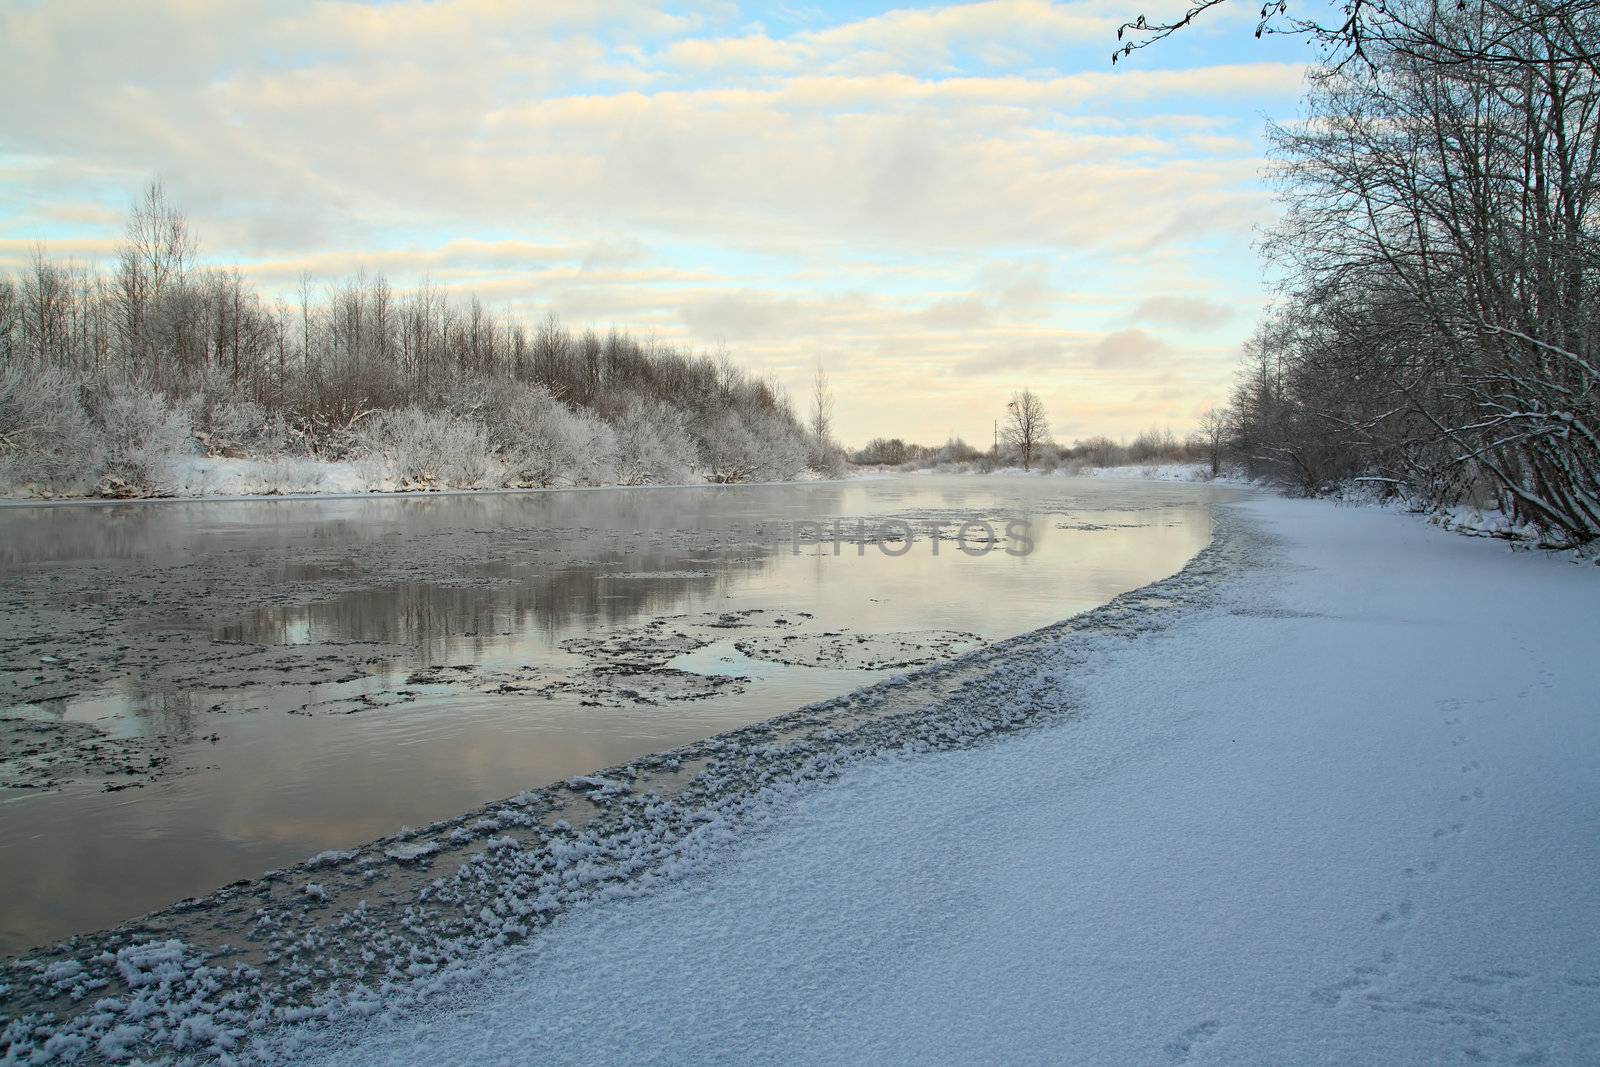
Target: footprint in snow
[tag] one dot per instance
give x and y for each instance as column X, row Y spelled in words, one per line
column 1492, row 980
column 1365, row 977
column 1183, row 1046
column 1402, row 911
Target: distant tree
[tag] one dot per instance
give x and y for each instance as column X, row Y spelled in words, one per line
column 1154, row 443
column 821, row 410
column 888, row 451
column 157, row 250
column 1213, row 431
column 305, row 321
column 10, row 320
column 1026, row 427
column 45, row 299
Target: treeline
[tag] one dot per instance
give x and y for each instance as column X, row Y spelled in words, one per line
column 1149, row 446
column 1438, row 333
column 105, row 375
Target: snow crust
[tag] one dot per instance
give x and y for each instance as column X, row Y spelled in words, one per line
column 1344, row 814
column 196, row 476
column 1164, row 472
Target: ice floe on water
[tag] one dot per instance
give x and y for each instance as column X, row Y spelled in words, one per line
column 861, row 651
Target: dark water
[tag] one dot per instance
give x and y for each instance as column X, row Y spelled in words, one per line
column 317, row 673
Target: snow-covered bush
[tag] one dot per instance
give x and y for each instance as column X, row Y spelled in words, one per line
column 225, row 423
column 728, row 449
column 542, row 442
column 653, row 445
column 371, row 469
column 142, row 433
column 751, row 447
column 428, row 448
column 594, row 446
column 47, row 440
column 780, row 446
column 828, row 460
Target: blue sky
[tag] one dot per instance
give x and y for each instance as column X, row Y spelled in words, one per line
column 942, row 203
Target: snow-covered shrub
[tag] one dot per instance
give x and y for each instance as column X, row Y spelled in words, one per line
column 780, row 446
column 227, row 425
column 653, row 444
column 428, row 448
column 142, row 433
column 542, row 442
column 956, row 450
column 595, row 444
column 828, row 460
column 47, row 440
column 728, row 449
column 758, row 446
column 371, row 469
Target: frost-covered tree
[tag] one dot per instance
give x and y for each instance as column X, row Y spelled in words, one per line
column 653, row 445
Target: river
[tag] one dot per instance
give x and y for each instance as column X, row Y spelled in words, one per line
column 195, row 692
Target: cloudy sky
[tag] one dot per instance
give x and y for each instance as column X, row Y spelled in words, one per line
column 942, row 203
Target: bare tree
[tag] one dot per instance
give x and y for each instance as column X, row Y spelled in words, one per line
column 1026, row 427
column 157, row 251
column 821, row 410
column 1515, row 31
column 1213, row 431
column 10, row 320
column 159, row 237
column 304, row 290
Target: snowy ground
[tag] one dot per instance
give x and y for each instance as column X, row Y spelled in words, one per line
column 1345, row 813
column 1162, row 472
column 1166, row 472
column 1327, row 796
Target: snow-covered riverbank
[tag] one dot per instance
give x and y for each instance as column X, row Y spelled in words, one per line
column 1345, row 813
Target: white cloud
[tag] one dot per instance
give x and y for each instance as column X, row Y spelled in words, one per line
column 1128, row 348
column 1187, row 312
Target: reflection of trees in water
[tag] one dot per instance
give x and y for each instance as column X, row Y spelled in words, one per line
column 162, row 532
column 551, row 603
column 169, row 713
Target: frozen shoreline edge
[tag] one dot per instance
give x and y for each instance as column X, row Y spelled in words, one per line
column 388, row 923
